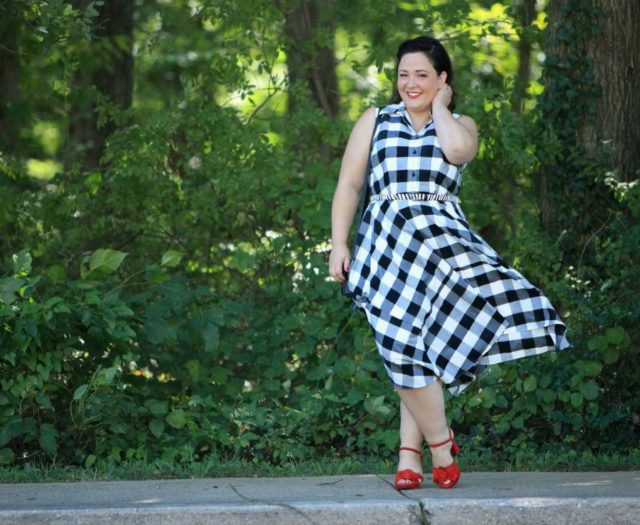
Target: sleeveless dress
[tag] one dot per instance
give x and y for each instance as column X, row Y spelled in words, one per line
column 441, row 302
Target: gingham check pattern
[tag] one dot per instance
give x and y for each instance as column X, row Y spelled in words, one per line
column 441, row 302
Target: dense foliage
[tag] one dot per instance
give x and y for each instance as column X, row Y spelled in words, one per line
column 172, row 301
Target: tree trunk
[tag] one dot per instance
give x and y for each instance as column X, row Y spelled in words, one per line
column 311, row 63
column 526, row 15
column 111, row 72
column 575, row 201
column 614, row 55
column 9, row 78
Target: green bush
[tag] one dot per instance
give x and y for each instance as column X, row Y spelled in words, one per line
column 108, row 367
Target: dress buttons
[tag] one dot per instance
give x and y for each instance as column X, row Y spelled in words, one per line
column 415, row 152
column 413, row 174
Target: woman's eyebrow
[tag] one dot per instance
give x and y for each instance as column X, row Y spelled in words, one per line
column 416, row 70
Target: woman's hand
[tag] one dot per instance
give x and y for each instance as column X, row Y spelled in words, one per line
column 339, row 262
column 443, row 95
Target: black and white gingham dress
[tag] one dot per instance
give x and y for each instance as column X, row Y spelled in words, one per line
column 441, row 302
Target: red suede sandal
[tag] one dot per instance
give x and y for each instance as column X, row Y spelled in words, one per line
column 408, row 479
column 447, row 477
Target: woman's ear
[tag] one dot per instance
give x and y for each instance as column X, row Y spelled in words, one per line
column 443, row 78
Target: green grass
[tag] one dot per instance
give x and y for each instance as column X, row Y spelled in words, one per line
column 470, row 461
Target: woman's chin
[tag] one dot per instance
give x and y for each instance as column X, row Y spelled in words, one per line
column 416, row 104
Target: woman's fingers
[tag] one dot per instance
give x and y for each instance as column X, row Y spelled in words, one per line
column 338, row 272
column 339, row 266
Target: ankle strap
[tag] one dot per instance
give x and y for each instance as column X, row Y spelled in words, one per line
column 436, row 445
column 419, row 452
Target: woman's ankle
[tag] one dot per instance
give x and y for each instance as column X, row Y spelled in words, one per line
column 441, row 456
column 409, row 460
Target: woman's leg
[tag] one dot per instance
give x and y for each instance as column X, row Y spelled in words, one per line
column 426, row 407
column 411, row 437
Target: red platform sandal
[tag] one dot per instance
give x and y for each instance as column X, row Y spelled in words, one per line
column 447, row 477
column 408, row 479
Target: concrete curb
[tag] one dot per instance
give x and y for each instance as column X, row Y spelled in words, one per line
column 299, row 514
column 480, row 498
column 527, row 511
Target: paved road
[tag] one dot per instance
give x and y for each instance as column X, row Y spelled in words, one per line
column 480, row 498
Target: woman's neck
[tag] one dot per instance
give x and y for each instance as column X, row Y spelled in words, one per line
column 419, row 119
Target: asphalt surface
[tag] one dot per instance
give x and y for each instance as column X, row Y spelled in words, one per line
column 581, row 498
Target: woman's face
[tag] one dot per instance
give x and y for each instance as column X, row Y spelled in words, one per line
column 418, row 81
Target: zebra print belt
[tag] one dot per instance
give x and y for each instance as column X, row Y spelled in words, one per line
column 440, row 197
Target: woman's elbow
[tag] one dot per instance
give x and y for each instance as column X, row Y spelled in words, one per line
column 462, row 154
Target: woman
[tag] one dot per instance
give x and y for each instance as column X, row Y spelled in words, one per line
column 441, row 302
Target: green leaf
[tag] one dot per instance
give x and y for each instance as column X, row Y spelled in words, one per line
column 171, row 258
column 374, row 405
column 210, row 336
column 592, row 369
column 193, row 367
column 109, row 374
column 271, row 385
column 313, row 324
column 615, row 335
column 328, row 384
column 355, row 396
column 106, row 260
column 80, row 392
column 159, row 330
column 590, row 390
column 319, row 372
column 90, row 460
column 598, row 342
column 518, row 422
column 474, row 401
column 157, row 407
column 6, row 434
column 9, row 286
column 530, row 384
column 22, row 263
column 502, row 426
column 564, row 396
column 6, row 456
column 576, row 400
column 611, row 355
column 56, row 273
column 544, row 381
column 176, row 419
column 47, row 439
column 123, row 310
column 157, row 427
column 219, row 375
column 546, row 395
column 488, row 396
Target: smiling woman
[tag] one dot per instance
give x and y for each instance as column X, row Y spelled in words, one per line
column 441, row 302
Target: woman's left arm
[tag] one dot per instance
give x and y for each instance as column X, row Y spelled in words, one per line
column 458, row 137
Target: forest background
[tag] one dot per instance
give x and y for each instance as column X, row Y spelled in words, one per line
column 166, row 176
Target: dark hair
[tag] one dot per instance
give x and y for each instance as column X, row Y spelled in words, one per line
column 437, row 55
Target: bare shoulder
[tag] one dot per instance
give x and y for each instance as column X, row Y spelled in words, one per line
column 363, row 130
column 364, row 125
